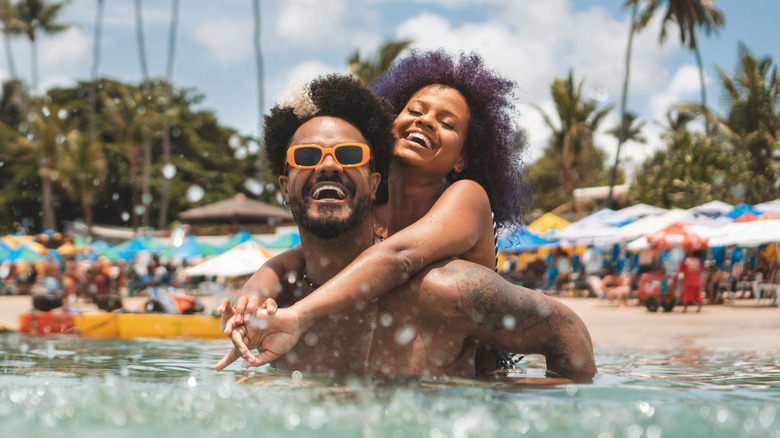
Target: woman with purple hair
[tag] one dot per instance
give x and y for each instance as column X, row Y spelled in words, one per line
column 456, row 159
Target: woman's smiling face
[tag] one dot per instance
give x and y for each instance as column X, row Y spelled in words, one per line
column 431, row 130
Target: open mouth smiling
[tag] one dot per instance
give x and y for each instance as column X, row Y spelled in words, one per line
column 328, row 192
column 420, row 139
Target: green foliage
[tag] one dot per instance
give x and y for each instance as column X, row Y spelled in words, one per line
column 571, row 153
column 204, row 154
column 692, row 170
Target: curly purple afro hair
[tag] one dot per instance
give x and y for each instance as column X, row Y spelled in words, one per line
column 493, row 144
column 341, row 96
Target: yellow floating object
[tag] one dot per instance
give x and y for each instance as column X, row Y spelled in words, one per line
column 122, row 325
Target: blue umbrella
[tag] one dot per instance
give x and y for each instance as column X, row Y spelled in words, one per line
column 192, row 247
column 237, row 239
column 285, row 241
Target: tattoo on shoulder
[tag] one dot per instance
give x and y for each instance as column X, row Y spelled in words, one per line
column 489, row 299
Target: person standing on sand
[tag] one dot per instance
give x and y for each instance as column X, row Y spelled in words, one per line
column 690, row 268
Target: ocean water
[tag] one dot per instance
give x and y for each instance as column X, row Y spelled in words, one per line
column 68, row 386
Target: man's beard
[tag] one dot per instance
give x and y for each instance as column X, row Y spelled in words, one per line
column 327, row 226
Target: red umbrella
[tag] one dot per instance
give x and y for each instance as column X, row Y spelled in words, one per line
column 676, row 236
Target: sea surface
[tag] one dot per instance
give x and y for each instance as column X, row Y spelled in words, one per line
column 67, row 386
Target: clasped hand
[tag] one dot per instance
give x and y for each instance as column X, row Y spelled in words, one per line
column 272, row 331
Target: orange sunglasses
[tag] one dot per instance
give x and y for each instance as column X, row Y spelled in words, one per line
column 309, row 156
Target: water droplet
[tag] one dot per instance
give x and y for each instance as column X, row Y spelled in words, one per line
column 279, row 198
column 234, row 141
column 254, row 186
column 141, row 110
column 175, row 132
column 509, row 322
column 405, row 334
column 139, row 209
column 96, row 182
column 169, row 171
column 240, row 154
column 192, row 382
column 195, row 193
column 45, row 111
column 147, row 198
column 722, row 415
column 324, row 262
column 252, row 147
column 62, row 114
column 125, row 216
column 54, row 176
column 310, row 339
column 292, row 278
column 297, row 375
column 115, row 196
column 386, row 319
column 60, row 139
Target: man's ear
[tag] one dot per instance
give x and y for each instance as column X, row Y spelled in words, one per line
column 374, row 180
column 461, row 164
column 283, row 181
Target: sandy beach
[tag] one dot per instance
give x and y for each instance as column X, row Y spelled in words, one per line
column 736, row 327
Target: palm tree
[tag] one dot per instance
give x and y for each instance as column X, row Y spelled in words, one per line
column 688, row 15
column 753, row 120
column 33, row 16
column 95, row 65
column 370, row 69
column 82, row 168
column 572, row 139
column 259, row 62
column 146, row 197
column 623, row 98
column 10, row 27
column 163, row 219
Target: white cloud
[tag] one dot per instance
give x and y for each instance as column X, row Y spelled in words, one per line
column 311, row 23
column 228, row 39
column 684, row 87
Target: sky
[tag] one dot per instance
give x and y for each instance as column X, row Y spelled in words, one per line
column 529, row 41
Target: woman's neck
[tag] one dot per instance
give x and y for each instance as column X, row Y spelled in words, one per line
column 411, row 195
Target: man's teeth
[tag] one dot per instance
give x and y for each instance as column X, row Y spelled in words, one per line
column 328, row 192
column 422, row 139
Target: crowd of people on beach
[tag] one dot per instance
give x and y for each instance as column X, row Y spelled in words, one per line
column 717, row 275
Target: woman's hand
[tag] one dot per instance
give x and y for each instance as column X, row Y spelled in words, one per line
column 274, row 334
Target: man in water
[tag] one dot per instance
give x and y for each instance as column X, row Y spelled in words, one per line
column 431, row 325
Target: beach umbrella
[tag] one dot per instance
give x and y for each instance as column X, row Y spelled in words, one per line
column 23, row 253
column 244, row 259
column 676, row 236
column 191, row 247
column 137, row 244
column 713, row 208
column 284, row 241
column 240, row 237
column 548, row 221
column 521, row 240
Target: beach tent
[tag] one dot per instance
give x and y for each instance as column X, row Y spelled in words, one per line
column 586, row 234
column 741, row 209
column 651, row 224
column 235, row 210
column 641, row 210
column 548, row 221
column 22, row 253
column 521, row 240
column 606, row 216
column 713, row 208
column 749, row 234
column 768, row 206
column 244, row 259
